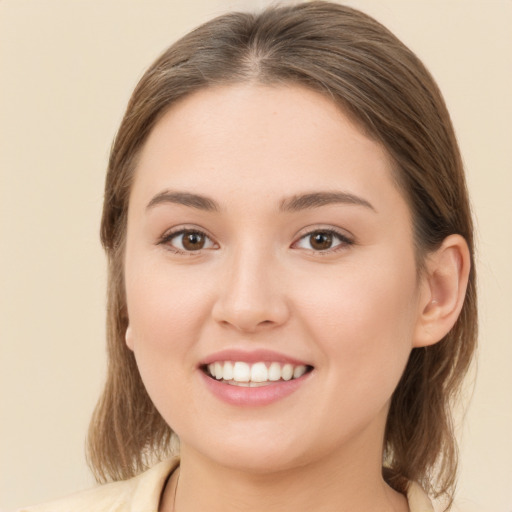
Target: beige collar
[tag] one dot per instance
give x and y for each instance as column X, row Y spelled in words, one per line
column 418, row 499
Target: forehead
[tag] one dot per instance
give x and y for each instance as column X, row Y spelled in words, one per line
column 264, row 139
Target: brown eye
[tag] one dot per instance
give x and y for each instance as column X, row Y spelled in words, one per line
column 323, row 241
column 189, row 240
column 320, row 240
column 193, row 241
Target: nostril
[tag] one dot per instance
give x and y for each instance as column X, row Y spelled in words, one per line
column 250, row 307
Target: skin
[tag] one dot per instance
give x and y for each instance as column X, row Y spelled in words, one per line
column 353, row 312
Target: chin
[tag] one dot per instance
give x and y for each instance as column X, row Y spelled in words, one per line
column 261, row 462
column 259, row 455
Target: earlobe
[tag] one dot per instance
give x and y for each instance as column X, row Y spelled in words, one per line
column 129, row 338
column 444, row 289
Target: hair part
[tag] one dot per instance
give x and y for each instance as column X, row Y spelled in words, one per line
column 364, row 69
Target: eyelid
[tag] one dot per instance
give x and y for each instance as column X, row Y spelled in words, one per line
column 345, row 238
column 174, row 232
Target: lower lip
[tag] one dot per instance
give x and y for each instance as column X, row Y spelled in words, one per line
column 253, row 397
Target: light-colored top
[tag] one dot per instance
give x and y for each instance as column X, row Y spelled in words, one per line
column 142, row 494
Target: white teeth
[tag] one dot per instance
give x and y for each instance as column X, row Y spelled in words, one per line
column 257, row 374
column 287, row 372
column 245, row 384
column 274, row 372
column 299, row 371
column 227, row 374
column 241, row 372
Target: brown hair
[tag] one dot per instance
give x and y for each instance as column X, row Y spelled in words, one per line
column 348, row 56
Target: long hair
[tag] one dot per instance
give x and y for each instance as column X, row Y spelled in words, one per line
column 362, row 67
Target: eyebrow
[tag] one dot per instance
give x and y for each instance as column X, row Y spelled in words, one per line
column 186, row 199
column 317, row 199
column 291, row 204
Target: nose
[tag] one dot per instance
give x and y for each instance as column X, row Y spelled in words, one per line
column 252, row 296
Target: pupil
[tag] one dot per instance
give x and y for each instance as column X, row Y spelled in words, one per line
column 193, row 241
column 321, row 241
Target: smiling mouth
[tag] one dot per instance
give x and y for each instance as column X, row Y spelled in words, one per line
column 240, row 373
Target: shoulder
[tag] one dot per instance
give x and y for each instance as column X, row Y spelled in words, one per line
column 141, row 493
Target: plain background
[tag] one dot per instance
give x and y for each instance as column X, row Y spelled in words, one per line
column 67, row 68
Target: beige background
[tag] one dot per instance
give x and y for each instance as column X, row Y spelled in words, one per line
column 66, row 71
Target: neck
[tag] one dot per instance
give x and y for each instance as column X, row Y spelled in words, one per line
column 349, row 481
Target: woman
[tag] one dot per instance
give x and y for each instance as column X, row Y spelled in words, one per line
column 291, row 290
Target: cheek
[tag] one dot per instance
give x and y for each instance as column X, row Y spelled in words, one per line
column 166, row 309
column 363, row 320
column 166, row 312
column 363, row 298
column 164, row 303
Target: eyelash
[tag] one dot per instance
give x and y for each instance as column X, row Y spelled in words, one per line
column 167, row 238
column 344, row 241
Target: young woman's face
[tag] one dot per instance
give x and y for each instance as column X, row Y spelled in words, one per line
column 269, row 245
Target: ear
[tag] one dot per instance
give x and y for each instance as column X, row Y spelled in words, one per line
column 129, row 337
column 444, row 286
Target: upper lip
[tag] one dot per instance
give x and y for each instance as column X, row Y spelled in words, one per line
column 251, row 356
